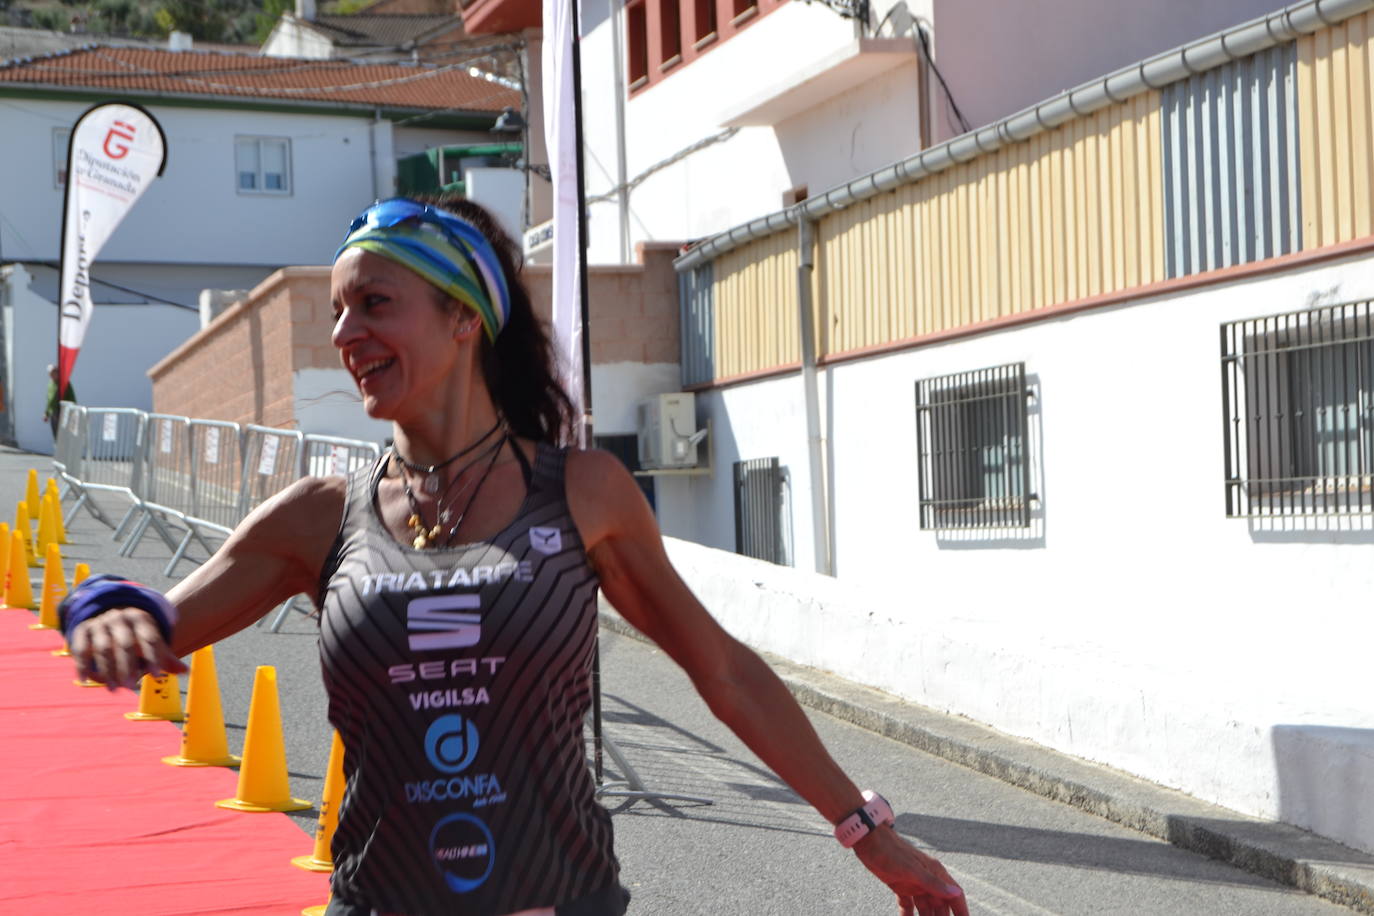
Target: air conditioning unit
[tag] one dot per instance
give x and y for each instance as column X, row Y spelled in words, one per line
column 668, row 434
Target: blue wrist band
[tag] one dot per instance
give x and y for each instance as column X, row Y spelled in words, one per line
column 99, row 594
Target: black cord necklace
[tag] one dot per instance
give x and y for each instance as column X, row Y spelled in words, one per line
column 428, row 481
column 425, row 536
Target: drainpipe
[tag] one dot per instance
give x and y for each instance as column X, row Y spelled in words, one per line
column 622, row 180
column 815, row 441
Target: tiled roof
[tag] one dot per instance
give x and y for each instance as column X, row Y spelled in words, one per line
column 387, row 31
column 201, row 73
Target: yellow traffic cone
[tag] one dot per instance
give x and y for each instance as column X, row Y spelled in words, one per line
column 24, row 526
column 263, row 785
column 159, row 698
column 46, row 530
column 57, row 511
column 18, row 591
column 322, row 859
column 31, row 490
column 54, row 590
column 80, row 574
column 202, row 737
column 4, row 560
column 318, row 910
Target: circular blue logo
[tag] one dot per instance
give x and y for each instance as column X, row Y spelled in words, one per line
column 464, row 851
column 451, row 743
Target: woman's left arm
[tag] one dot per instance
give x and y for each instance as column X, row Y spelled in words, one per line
column 626, row 550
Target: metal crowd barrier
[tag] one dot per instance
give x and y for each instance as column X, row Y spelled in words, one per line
column 188, row 480
column 326, row 456
column 101, row 452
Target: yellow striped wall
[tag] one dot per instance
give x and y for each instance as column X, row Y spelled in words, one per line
column 1335, row 121
column 756, row 307
column 1071, row 213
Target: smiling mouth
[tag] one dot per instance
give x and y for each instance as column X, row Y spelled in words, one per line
column 372, row 368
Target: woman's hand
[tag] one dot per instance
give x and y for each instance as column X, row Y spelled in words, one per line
column 119, row 646
column 920, row 882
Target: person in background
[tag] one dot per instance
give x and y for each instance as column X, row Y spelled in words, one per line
column 457, row 580
column 54, row 410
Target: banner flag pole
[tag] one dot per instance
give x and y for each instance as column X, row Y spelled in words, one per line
column 115, row 151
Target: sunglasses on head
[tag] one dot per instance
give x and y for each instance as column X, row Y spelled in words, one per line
column 385, row 214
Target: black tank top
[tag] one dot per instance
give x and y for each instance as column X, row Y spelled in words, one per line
column 459, row 679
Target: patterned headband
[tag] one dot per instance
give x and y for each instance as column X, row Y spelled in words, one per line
column 449, row 252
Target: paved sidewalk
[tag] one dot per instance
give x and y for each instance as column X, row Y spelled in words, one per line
column 759, row 850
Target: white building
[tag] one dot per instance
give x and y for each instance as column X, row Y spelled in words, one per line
column 267, row 160
column 1075, row 408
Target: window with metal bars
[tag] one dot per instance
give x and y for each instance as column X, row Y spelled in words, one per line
column 971, row 449
column 1298, row 396
column 763, row 527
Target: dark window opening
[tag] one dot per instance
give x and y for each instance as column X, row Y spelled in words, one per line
column 971, row 449
column 670, row 31
column 1298, row 393
column 637, row 42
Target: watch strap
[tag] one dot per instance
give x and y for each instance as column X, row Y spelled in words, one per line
column 875, row 812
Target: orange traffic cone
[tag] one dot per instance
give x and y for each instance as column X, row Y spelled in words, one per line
column 24, row 525
column 263, row 785
column 54, row 590
column 18, row 591
column 322, row 859
column 202, row 737
column 47, row 528
column 4, row 560
column 31, row 494
column 57, row 511
column 159, row 698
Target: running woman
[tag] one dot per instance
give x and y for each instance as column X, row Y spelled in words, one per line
column 456, row 581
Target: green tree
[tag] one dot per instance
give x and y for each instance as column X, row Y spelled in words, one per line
column 203, row 21
column 267, row 19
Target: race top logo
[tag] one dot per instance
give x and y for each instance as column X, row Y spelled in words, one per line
column 435, row 622
column 464, row 851
column 451, row 743
column 547, row 541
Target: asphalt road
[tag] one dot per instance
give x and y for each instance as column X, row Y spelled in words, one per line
column 757, row 849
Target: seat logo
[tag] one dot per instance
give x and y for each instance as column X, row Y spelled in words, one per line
column 438, row 622
column 547, row 541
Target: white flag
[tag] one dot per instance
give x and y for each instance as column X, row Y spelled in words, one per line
column 560, row 138
column 115, row 152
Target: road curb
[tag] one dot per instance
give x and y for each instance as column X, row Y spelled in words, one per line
column 1280, row 852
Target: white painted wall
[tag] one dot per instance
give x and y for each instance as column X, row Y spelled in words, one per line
column 1000, row 57
column 1133, row 624
column 194, row 213
column 618, row 387
column 745, row 176
column 502, row 192
column 121, row 342
column 291, row 38
column 327, row 403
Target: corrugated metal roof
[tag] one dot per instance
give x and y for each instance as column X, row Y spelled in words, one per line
column 201, row 73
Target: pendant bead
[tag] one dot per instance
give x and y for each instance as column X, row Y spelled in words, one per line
column 420, row 542
column 431, row 484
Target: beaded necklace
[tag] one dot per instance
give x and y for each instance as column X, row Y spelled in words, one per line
column 429, row 482
column 427, row 535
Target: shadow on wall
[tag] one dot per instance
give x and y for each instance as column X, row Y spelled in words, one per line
column 1326, row 781
column 1312, row 529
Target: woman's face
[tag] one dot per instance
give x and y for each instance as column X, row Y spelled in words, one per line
column 393, row 336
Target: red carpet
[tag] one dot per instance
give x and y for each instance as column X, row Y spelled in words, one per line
column 92, row 821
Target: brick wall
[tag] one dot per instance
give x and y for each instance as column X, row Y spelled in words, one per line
column 634, row 310
column 240, row 367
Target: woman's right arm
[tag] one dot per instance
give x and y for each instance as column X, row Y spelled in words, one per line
column 276, row 552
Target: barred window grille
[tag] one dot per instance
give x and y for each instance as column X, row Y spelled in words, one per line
column 971, row 449
column 1298, row 395
column 763, row 527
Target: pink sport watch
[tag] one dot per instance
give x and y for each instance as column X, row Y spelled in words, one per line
column 876, row 811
